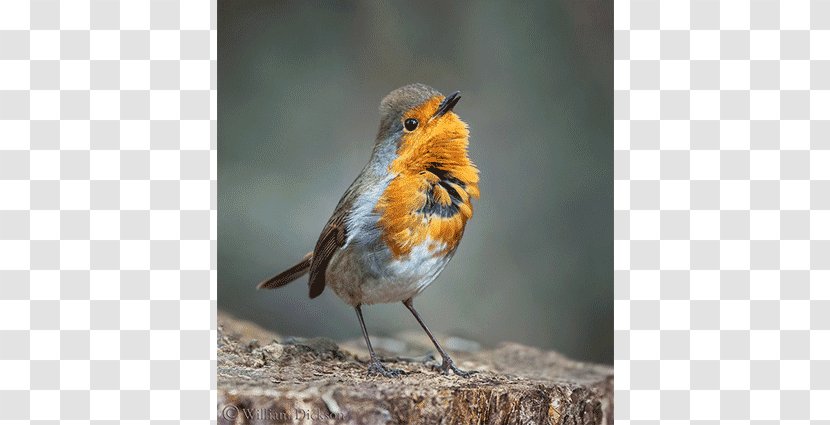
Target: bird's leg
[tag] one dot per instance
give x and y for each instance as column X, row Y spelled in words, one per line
column 446, row 364
column 375, row 366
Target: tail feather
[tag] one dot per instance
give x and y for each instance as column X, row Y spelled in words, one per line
column 288, row 276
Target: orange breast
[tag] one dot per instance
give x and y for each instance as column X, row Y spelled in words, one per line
column 413, row 209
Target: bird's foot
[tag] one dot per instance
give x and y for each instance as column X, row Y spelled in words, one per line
column 376, row 368
column 448, row 365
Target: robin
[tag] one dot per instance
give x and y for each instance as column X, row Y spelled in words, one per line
column 401, row 220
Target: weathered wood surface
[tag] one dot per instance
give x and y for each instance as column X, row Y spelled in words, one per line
column 264, row 379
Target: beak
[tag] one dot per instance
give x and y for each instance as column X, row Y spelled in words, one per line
column 447, row 105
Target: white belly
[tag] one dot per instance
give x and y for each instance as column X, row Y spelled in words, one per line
column 375, row 277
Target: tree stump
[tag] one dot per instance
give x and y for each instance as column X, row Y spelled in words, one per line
column 265, row 379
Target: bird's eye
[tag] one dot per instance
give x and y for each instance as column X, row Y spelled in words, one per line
column 410, row 124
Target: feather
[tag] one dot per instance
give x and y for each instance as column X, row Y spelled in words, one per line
column 332, row 239
column 293, row 273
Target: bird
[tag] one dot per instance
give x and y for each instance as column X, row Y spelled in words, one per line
column 400, row 222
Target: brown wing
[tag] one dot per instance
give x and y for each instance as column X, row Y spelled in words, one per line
column 332, row 239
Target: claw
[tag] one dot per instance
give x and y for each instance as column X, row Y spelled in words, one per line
column 448, row 366
column 376, row 368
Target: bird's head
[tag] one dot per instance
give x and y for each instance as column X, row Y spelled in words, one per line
column 416, row 119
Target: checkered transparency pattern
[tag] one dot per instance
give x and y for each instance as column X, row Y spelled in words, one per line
column 107, row 209
column 722, row 210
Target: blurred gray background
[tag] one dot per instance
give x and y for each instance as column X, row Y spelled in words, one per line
column 299, row 87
